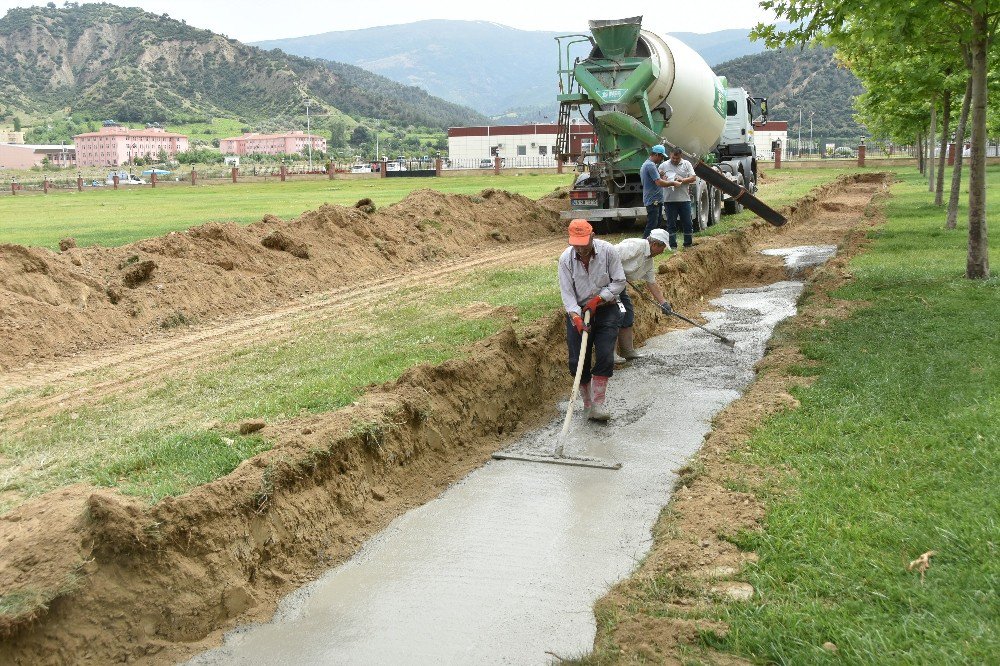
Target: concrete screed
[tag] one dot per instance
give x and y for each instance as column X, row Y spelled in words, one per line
column 506, row 565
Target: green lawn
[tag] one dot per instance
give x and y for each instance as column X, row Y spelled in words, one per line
column 163, row 438
column 894, row 451
column 108, row 217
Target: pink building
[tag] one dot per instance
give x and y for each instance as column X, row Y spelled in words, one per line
column 288, row 143
column 115, row 145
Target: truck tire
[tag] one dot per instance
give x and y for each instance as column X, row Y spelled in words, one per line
column 715, row 209
column 704, row 203
column 733, row 206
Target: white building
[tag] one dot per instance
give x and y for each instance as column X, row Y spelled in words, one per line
column 764, row 136
column 518, row 145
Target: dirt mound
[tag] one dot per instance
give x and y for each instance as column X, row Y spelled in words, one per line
column 179, row 572
column 54, row 304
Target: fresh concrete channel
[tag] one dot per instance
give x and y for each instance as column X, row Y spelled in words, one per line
column 505, row 566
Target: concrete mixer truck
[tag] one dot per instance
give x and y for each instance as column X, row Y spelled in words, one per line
column 638, row 89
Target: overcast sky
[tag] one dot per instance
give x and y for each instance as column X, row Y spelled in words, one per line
column 255, row 20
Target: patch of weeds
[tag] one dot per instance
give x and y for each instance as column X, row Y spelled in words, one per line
column 689, row 474
column 176, row 319
column 261, row 499
column 427, row 222
column 475, row 199
column 371, row 433
column 132, row 259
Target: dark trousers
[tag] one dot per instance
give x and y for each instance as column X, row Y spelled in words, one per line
column 600, row 343
column 683, row 210
column 654, row 213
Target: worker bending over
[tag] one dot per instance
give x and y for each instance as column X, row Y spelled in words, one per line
column 637, row 255
column 590, row 280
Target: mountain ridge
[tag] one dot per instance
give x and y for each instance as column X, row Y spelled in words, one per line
column 117, row 62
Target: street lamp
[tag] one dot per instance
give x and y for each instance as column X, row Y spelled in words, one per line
column 309, row 134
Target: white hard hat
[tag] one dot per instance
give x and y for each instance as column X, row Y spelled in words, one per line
column 660, row 236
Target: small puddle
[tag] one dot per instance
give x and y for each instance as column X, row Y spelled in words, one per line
column 505, row 566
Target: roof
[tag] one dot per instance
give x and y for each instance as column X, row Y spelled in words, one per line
column 284, row 135
column 124, row 131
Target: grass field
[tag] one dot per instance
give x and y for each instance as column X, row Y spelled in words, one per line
column 107, row 217
column 894, row 451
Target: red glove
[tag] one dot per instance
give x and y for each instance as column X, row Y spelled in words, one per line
column 593, row 304
column 579, row 325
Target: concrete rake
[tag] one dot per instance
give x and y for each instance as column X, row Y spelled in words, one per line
column 558, row 455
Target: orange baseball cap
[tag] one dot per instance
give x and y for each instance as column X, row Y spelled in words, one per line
column 580, row 232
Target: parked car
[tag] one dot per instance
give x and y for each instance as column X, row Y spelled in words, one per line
column 487, row 162
column 361, row 168
column 125, row 178
column 395, row 166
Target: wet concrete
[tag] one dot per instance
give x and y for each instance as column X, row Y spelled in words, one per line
column 800, row 259
column 504, row 567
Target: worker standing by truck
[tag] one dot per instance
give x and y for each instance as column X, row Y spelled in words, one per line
column 678, row 174
column 637, row 262
column 591, row 279
column 652, row 188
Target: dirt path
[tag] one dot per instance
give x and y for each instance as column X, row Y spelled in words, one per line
column 65, row 384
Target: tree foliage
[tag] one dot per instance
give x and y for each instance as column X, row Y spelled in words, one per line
column 918, row 38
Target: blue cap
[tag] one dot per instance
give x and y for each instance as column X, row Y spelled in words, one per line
column 659, row 150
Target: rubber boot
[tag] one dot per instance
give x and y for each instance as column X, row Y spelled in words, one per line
column 598, row 390
column 626, row 344
column 587, row 402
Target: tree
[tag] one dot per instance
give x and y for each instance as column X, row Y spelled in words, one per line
column 969, row 24
column 17, row 124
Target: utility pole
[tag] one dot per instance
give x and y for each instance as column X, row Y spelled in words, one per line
column 377, row 158
column 811, row 132
column 309, row 135
column 800, row 132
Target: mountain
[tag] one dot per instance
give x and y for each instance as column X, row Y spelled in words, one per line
column 490, row 67
column 806, row 79
column 123, row 63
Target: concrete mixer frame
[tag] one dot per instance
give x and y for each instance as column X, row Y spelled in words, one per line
column 640, row 89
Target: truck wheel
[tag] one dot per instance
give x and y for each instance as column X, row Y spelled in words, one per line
column 715, row 210
column 733, row 206
column 704, row 205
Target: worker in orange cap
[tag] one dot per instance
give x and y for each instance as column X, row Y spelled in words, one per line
column 590, row 280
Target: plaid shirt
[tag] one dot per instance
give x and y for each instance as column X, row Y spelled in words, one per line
column 578, row 282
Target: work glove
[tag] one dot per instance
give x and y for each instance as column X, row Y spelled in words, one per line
column 593, row 304
column 666, row 309
column 579, row 325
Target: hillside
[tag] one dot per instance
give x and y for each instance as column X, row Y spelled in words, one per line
column 123, row 63
column 490, row 67
column 801, row 79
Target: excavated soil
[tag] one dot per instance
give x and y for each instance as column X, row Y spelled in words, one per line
column 91, row 576
column 56, row 304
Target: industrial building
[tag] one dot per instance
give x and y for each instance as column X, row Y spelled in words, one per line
column 25, row 156
column 531, row 144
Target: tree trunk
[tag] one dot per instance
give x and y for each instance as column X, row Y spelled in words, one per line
column 920, row 153
column 930, row 147
column 977, row 265
column 945, row 120
column 956, row 175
